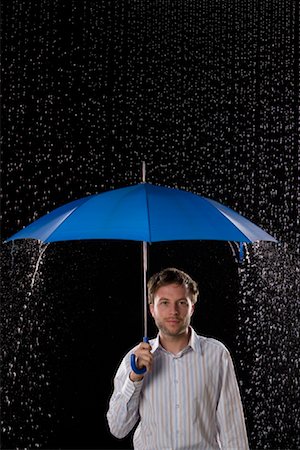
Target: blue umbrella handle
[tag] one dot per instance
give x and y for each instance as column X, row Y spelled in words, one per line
column 132, row 361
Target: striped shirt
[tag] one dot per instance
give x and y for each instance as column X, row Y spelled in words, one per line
column 189, row 401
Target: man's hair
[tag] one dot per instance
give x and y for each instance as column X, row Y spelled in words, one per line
column 172, row 276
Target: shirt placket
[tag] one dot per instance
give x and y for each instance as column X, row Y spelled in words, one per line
column 177, row 401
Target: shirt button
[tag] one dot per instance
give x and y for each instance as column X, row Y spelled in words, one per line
column 177, row 406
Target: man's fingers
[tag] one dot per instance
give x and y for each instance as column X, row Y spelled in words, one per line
column 146, row 360
column 144, row 363
column 143, row 348
column 145, row 345
column 144, row 356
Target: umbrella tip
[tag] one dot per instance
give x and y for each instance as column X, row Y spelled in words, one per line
column 143, row 171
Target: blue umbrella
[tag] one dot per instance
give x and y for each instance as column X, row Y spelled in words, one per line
column 147, row 213
column 143, row 212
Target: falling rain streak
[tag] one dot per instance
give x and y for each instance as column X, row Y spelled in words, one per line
column 207, row 93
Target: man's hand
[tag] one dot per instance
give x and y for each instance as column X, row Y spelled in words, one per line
column 144, row 358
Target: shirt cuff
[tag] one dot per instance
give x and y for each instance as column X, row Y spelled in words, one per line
column 131, row 388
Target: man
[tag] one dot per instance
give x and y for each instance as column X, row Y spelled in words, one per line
column 189, row 397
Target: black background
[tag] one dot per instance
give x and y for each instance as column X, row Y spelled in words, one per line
column 207, row 93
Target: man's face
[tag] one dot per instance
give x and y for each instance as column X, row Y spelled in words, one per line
column 172, row 309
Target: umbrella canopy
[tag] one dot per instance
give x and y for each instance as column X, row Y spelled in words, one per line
column 144, row 212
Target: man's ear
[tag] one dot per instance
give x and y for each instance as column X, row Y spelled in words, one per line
column 151, row 307
column 193, row 309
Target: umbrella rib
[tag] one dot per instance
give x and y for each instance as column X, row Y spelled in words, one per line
column 223, row 215
column 74, row 209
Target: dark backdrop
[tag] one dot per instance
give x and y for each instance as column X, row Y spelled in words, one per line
column 207, row 93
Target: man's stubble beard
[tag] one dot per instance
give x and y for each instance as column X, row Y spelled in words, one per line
column 164, row 330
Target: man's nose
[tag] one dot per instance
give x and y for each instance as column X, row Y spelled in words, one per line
column 174, row 308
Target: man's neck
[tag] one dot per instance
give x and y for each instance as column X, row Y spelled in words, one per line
column 174, row 344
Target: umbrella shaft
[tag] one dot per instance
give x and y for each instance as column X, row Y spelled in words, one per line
column 145, row 267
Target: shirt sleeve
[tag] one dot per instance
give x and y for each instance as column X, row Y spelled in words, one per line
column 230, row 416
column 123, row 412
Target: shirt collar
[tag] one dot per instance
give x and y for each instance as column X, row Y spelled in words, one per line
column 194, row 342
